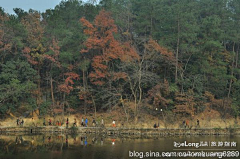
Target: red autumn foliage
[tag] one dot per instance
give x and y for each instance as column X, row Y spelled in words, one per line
column 184, row 103
column 85, row 94
column 30, row 58
column 56, row 49
column 218, row 104
column 4, row 44
column 119, row 75
column 67, row 85
column 57, row 110
column 152, row 45
column 34, row 51
column 26, row 50
column 32, row 23
column 70, row 67
column 101, row 40
column 159, row 94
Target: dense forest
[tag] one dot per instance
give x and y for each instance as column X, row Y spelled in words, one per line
column 138, row 55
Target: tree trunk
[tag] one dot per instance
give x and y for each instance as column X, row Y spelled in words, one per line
column 95, row 108
column 139, row 86
column 124, row 108
column 135, row 109
column 230, row 84
column 135, row 98
column 182, row 90
column 237, row 57
column 64, row 96
column 231, row 80
column 39, row 88
column 84, row 95
column 177, row 51
column 52, row 94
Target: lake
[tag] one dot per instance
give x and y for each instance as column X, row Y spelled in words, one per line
column 84, row 146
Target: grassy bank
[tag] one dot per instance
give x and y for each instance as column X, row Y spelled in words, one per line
column 208, row 119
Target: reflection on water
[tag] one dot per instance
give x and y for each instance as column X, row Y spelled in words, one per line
column 91, row 146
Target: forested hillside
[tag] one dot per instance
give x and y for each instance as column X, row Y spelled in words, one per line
column 137, row 55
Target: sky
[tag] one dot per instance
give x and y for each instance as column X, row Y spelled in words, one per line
column 39, row 5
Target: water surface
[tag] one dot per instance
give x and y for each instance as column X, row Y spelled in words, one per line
column 104, row 147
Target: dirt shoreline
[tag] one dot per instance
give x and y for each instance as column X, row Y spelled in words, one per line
column 206, row 119
column 120, row 130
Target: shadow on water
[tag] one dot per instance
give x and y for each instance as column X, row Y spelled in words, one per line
column 91, row 146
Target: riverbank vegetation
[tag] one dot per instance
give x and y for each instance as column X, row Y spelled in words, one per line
column 159, row 58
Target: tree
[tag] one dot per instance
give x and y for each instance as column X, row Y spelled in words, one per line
column 34, row 48
column 17, row 81
column 67, row 87
column 105, row 51
column 62, row 24
column 5, row 44
column 140, row 72
column 53, row 58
